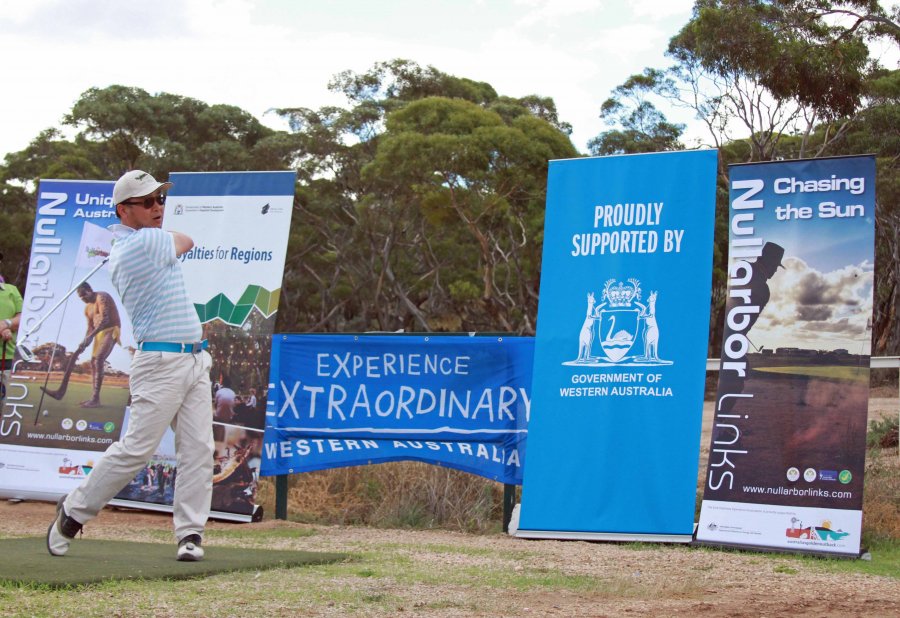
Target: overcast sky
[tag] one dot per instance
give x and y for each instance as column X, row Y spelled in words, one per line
column 261, row 54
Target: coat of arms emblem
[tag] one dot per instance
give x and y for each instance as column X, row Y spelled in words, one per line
column 624, row 326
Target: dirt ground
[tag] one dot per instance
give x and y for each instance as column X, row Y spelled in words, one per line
column 637, row 580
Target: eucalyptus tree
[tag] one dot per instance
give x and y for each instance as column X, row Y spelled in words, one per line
column 767, row 79
column 164, row 132
column 768, row 69
column 427, row 195
column 120, row 128
column 637, row 124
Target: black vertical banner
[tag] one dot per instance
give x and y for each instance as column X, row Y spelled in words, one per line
column 787, row 450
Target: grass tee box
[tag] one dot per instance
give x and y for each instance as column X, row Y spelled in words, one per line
column 26, row 562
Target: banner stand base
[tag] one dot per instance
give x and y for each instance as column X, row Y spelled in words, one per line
column 862, row 555
column 167, row 508
column 568, row 535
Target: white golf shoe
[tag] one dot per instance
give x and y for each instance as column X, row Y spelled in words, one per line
column 189, row 549
column 62, row 531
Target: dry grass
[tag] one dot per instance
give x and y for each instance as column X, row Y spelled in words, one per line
column 881, row 500
column 419, row 495
column 442, row 574
column 403, row 494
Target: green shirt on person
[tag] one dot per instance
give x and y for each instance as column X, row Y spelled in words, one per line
column 10, row 305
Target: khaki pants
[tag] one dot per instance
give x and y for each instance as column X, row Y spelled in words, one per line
column 167, row 389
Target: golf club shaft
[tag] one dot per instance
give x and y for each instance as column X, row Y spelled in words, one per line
column 3, row 372
column 61, row 301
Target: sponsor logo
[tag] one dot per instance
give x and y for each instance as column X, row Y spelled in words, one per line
column 70, row 470
column 712, row 526
column 94, row 426
column 109, row 426
column 81, row 425
column 67, row 423
column 195, row 208
column 793, row 474
column 823, row 532
column 268, row 208
column 828, row 475
column 809, row 475
column 845, row 476
column 620, row 329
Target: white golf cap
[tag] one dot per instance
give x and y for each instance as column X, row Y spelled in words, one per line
column 136, row 183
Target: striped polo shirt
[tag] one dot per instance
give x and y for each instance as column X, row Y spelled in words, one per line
column 147, row 274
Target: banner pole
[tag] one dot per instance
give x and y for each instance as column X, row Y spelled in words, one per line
column 281, row 488
column 509, row 501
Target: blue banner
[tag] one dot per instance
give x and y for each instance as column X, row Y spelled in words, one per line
column 621, row 346
column 345, row 400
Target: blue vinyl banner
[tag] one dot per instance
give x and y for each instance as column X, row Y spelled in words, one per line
column 345, row 400
column 621, row 346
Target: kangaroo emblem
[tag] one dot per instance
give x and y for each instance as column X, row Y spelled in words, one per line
column 651, row 331
column 586, row 337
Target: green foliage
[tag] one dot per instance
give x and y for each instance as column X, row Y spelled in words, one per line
column 882, row 433
column 643, row 127
column 121, row 128
column 17, row 222
column 425, row 185
column 166, row 131
column 790, row 48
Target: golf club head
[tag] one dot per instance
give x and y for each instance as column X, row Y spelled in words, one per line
column 25, row 353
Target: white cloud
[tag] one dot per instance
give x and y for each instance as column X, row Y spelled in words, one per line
column 660, row 9
column 816, row 310
column 273, row 53
column 626, row 41
column 544, row 11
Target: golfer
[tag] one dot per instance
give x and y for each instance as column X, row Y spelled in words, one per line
column 103, row 328
column 169, row 373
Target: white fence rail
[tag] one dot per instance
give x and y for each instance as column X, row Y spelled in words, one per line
column 876, row 362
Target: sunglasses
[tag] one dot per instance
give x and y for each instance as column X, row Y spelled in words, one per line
column 147, row 202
